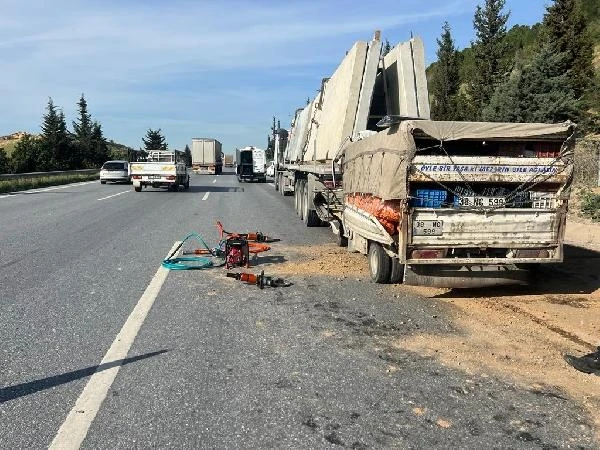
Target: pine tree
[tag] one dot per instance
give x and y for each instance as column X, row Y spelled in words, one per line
column 387, row 47
column 445, row 81
column 188, row 156
column 538, row 92
column 54, row 149
column 489, row 51
column 98, row 145
column 154, row 140
column 565, row 32
column 82, row 130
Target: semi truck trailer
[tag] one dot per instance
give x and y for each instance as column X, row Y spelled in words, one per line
column 207, row 156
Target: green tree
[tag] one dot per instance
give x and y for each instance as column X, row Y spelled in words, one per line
column 82, row 130
column 489, row 51
column 539, row 92
column 387, row 47
column 445, row 81
column 54, row 149
column 565, row 32
column 154, row 140
column 24, row 155
column 188, row 156
column 4, row 161
column 99, row 145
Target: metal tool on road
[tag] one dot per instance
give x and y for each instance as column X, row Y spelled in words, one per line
column 256, row 236
column 260, row 280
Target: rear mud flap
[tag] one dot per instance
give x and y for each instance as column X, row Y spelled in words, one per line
column 449, row 276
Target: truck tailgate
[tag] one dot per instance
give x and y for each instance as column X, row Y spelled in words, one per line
column 496, row 228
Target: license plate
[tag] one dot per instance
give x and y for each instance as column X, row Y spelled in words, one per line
column 154, row 177
column 481, row 201
column 427, row 228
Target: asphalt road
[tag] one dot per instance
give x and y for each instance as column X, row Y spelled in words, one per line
column 219, row 364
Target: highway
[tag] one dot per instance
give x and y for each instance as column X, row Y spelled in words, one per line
column 216, row 363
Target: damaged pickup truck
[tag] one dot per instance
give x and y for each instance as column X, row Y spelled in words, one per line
column 457, row 204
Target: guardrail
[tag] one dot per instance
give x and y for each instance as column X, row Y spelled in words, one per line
column 17, row 176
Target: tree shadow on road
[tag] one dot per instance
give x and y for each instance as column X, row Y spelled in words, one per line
column 31, row 387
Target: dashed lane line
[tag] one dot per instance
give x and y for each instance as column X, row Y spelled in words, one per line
column 114, row 195
column 206, row 196
column 215, row 180
column 75, row 427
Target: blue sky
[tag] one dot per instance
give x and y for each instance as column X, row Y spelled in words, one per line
column 199, row 69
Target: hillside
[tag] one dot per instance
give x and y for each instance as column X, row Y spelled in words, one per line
column 523, row 43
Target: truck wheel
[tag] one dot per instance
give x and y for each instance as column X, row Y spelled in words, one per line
column 396, row 271
column 297, row 197
column 340, row 239
column 186, row 185
column 379, row 263
column 301, row 198
column 137, row 188
column 102, row 181
column 309, row 215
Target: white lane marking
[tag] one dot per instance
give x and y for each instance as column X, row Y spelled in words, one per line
column 75, row 427
column 272, row 184
column 206, row 196
column 215, row 180
column 114, row 195
column 53, row 188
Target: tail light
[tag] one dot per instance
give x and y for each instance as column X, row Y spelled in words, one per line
column 171, row 177
column 428, row 253
column 137, row 177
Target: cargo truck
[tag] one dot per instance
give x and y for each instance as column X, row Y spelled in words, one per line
column 251, row 164
column 449, row 204
column 228, row 160
column 162, row 168
column 207, row 156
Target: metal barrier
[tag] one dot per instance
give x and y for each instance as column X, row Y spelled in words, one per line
column 18, row 176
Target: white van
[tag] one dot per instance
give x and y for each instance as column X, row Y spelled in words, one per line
column 115, row 171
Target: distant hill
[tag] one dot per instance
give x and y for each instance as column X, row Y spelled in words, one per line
column 10, row 141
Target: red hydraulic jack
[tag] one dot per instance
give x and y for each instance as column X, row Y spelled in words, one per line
column 261, row 280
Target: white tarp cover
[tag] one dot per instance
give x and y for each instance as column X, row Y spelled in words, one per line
column 379, row 164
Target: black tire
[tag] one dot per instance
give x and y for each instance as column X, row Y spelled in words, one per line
column 137, row 188
column 309, row 215
column 379, row 263
column 186, row 185
column 102, row 181
column 301, row 199
column 276, row 182
column 396, row 271
column 297, row 197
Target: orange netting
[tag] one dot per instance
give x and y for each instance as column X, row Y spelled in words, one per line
column 387, row 212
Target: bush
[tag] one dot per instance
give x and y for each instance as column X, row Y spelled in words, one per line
column 590, row 205
column 23, row 184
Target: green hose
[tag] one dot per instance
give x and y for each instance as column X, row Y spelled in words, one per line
column 191, row 262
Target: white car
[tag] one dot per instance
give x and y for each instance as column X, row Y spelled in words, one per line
column 271, row 169
column 115, row 171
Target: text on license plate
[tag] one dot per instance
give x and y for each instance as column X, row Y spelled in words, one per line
column 427, row 227
column 481, row 201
